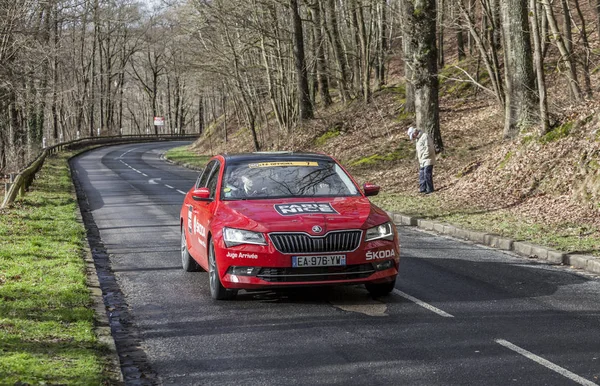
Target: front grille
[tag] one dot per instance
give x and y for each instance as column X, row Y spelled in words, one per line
column 288, row 275
column 342, row 241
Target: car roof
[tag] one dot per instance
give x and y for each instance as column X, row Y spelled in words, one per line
column 274, row 156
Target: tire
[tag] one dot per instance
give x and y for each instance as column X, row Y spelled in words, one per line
column 377, row 290
column 187, row 261
column 217, row 291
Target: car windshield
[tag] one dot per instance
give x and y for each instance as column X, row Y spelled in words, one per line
column 282, row 179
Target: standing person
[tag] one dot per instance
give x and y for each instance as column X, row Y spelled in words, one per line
column 426, row 156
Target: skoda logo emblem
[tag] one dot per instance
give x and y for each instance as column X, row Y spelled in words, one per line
column 317, row 229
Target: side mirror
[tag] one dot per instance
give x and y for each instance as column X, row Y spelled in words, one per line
column 201, row 194
column 370, row 189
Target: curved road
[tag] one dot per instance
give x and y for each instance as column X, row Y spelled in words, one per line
column 461, row 314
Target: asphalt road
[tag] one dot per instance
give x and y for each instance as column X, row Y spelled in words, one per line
column 461, row 314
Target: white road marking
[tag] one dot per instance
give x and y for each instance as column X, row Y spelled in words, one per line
column 121, row 156
column 152, row 181
column 144, row 174
column 184, row 193
column 423, row 304
column 556, row 368
column 169, row 186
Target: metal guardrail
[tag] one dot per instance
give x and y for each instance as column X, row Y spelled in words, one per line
column 18, row 185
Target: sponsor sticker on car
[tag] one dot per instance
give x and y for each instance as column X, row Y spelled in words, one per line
column 282, row 163
column 304, row 208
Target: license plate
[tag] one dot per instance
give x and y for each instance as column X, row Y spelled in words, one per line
column 318, row 261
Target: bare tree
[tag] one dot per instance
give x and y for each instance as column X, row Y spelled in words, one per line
column 315, row 10
column 539, row 67
column 425, row 70
column 520, row 92
column 306, row 109
column 566, row 55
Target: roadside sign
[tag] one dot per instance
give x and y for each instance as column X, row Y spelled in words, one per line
column 159, row 121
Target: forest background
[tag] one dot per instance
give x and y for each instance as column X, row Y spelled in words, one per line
column 506, row 88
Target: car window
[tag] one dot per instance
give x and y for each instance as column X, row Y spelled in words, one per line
column 286, row 179
column 203, row 177
column 212, row 181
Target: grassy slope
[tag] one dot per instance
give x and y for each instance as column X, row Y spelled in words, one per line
column 184, row 156
column 46, row 323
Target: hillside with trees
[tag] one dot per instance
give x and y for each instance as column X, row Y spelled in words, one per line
column 507, row 89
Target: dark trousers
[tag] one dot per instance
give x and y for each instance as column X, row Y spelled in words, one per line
column 426, row 179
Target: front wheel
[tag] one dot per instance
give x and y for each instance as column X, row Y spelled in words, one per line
column 187, row 261
column 217, row 291
column 377, row 290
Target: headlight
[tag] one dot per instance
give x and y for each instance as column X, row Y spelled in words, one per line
column 384, row 231
column 233, row 237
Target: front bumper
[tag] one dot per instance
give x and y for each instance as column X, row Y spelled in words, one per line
column 276, row 277
column 257, row 267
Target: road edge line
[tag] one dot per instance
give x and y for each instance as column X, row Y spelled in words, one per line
column 546, row 363
column 423, row 304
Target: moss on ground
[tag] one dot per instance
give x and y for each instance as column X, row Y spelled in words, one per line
column 329, row 134
column 557, row 133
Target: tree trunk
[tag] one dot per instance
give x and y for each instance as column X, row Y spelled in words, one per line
column 365, row 52
column 539, row 66
column 313, row 77
column 92, row 101
column 381, row 43
column 408, row 51
column 320, row 55
column 587, row 51
column 200, row 114
column 520, row 93
column 169, row 109
column 41, row 103
column 108, row 108
column 426, row 71
column 154, row 97
column 19, row 134
column 598, row 19
column 306, row 110
column 56, row 28
column 334, row 37
column 460, row 44
column 471, row 12
column 440, row 34
column 565, row 54
column 544, row 28
column 224, row 108
column 568, row 36
column 495, row 19
column 102, row 81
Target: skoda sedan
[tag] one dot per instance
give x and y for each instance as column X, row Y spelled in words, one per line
column 269, row 220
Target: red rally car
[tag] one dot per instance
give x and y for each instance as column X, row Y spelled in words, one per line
column 266, row 220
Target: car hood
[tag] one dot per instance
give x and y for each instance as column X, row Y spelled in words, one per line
column 301, row 215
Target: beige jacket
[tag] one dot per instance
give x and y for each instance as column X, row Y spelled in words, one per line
column 425, row 150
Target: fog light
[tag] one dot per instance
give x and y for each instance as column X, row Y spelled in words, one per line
column 383, row 265
column 243, row 271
